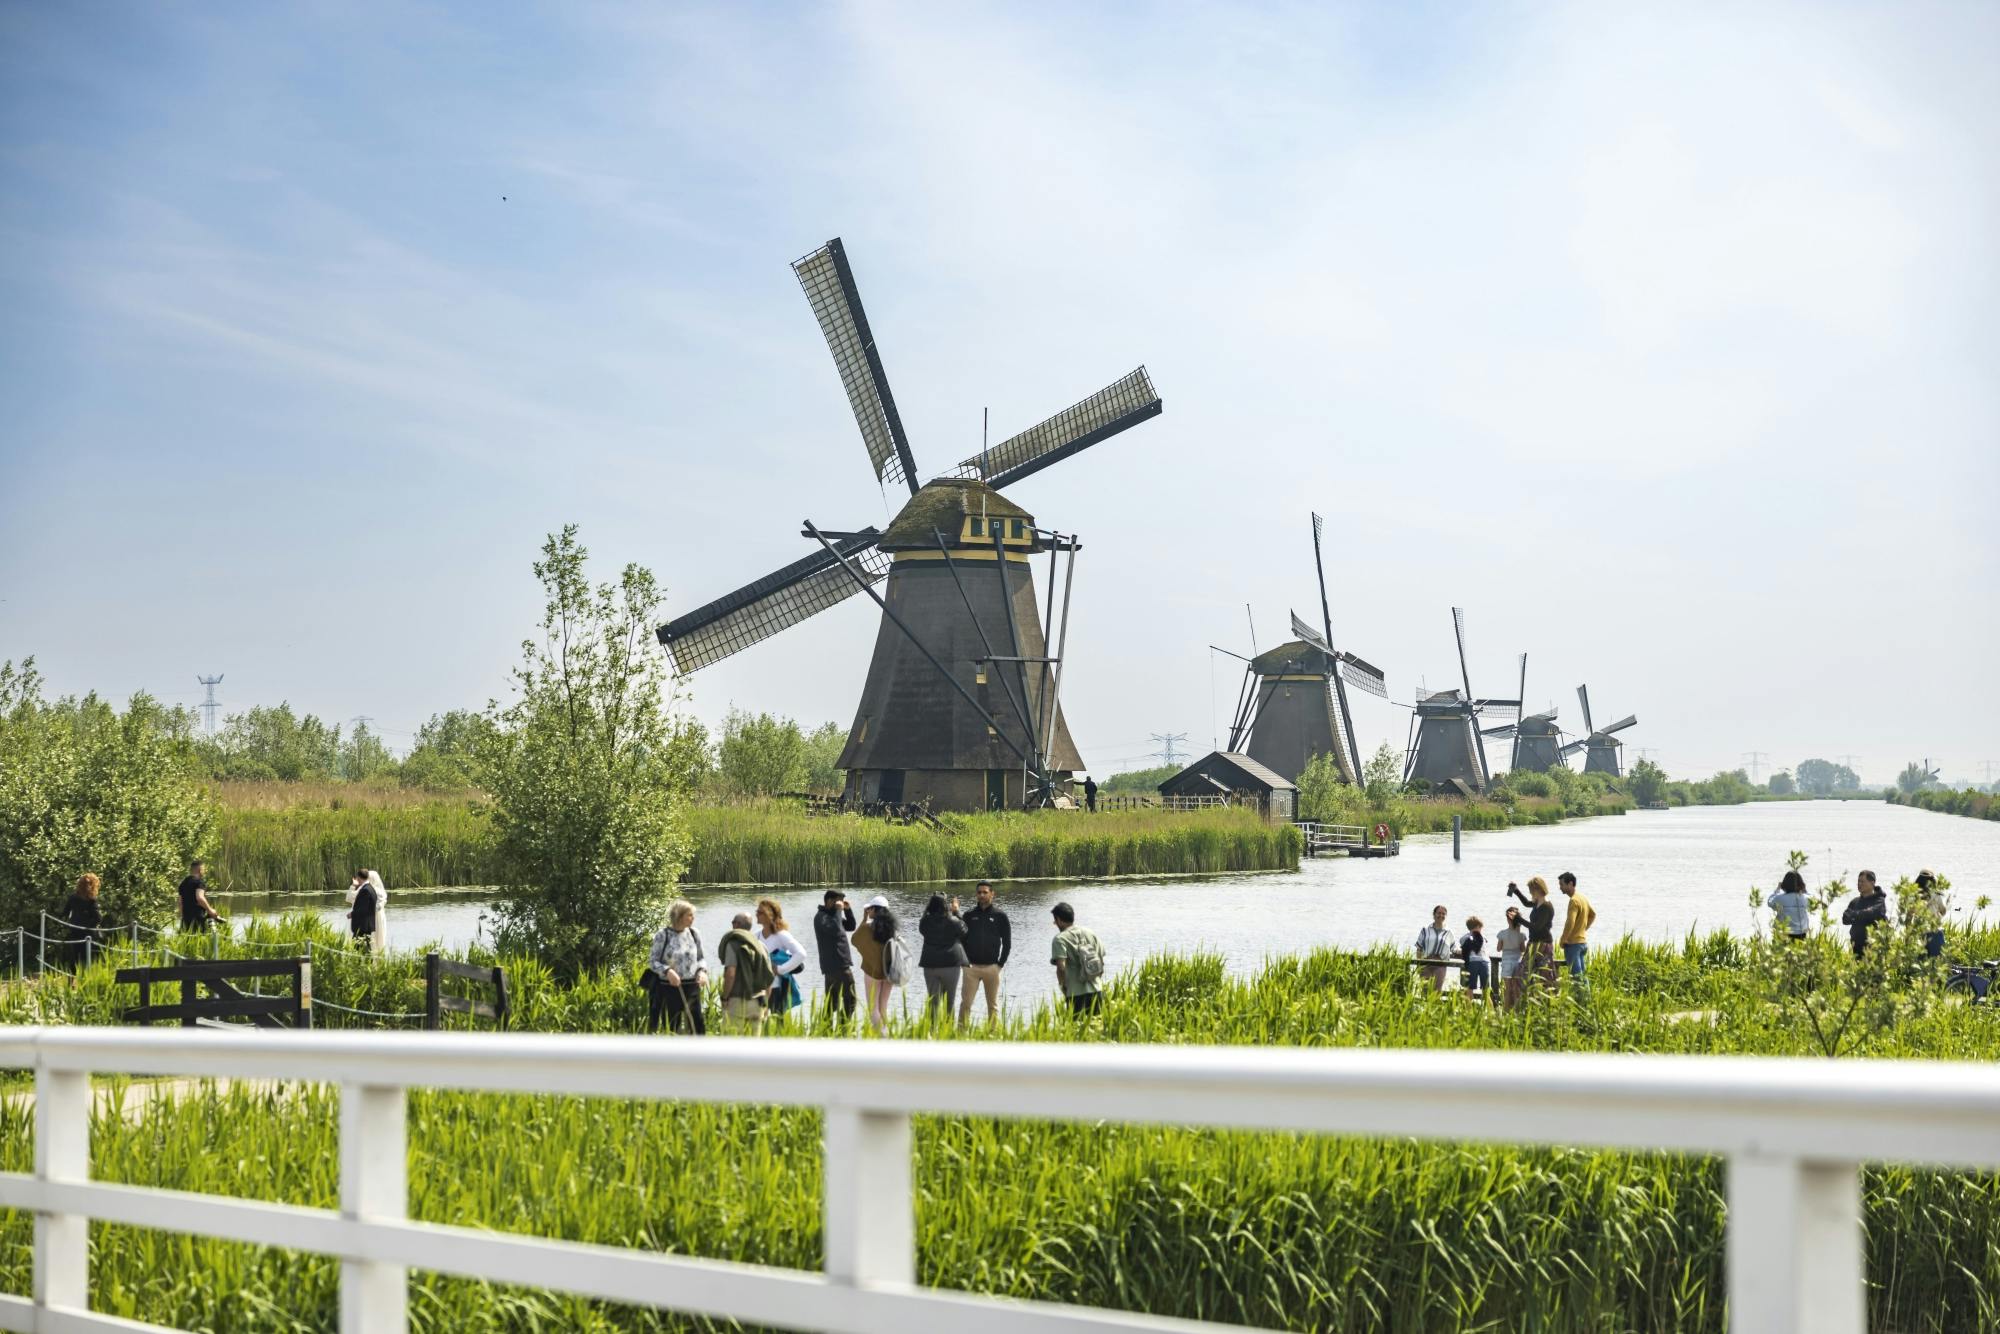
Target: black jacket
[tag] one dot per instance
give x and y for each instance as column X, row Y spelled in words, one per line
column 361, row 917
column 941, row 933
column 988, row 937
column 1862, row 913
column 83, row 914
column 831, row 929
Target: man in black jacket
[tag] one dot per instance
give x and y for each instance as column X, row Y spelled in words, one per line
column 988, row 942
column 833, row 924
column 1869, row 907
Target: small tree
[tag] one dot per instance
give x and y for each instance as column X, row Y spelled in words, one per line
column 1648, row 782
column 86, row 788
column 823, row 746
column 586, row 779
column 446, row 753
column 364, row 755
column 1382, row 774
column 1781, row 784
column 1914, row 779
column 760, row 755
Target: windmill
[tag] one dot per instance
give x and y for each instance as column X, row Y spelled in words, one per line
column 1537, row 740
column 960, row 704
column 1602, row 748
column 1293, row 701
column 1446, row 748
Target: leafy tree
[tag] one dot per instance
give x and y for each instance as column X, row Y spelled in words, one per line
column 1914, row 778
column 1781, row 784
column 446, row 753
column 1529, row 783
column 1140, row 780
column 823, row 746
column 1648, row 783
column 586, row 779
column 86, row 788
column 760, row 754
column 364, row 755
column 1823, row 778
column 1382, row 774
column 274, row 743
column 693, row 759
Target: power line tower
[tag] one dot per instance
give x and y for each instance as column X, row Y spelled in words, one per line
column 209, row 704
column 1756, row 758
column 1166, row 754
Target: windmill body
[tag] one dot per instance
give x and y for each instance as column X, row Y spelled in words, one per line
column 1603, row 751
column 1537, row 741
column 960, row 706
column 1447, row 750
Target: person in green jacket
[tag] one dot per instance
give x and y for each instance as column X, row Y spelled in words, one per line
column 746, row 978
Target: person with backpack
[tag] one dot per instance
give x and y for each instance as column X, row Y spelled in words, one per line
column 885, row 963
column 747, row 976
column 1869, row 908
column 675, row 974
column 788, row 957
column 1078, row 956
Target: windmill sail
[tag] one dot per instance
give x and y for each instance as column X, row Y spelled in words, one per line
column 1118, row 406
column 1310, row 635
column 836, row 303
column 776, row 602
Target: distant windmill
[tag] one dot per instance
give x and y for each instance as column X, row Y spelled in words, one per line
column 960, row 704
column 1537, row 740
column 1602, row 747
column 1293, row 704
column 1446, row 749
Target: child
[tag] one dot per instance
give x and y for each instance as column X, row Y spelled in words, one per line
column 1472, row 949
column 1513, row 942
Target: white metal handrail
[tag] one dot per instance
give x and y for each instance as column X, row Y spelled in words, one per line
column 1794, row 1133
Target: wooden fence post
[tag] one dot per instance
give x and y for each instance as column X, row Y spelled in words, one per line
column 62, row 1154
column 374, row 1184
column 433, row 979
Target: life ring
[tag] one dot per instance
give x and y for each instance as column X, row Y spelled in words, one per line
column 1381, row 833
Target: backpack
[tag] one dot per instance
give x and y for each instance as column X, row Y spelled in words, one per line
column 895, row 961
column 1089, row 951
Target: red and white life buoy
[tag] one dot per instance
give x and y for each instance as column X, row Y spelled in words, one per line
column 1381, row 833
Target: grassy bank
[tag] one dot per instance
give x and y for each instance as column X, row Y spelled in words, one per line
column 1290, row 1232
column 265, row 844
column 1969, row 802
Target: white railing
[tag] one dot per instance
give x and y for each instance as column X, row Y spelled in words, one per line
column 1794, row 1133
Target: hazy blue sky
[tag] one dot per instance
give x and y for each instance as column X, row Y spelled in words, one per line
column 1662, row 341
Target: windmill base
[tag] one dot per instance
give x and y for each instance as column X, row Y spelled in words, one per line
column 945, row 789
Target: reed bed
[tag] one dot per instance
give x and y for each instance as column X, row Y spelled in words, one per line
column 443, row 840
column 1281, row 1231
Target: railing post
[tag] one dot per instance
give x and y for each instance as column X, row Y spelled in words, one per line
column 62, row 1154
column 1796, row 1261
column 871, row 1214
column 374, row 1184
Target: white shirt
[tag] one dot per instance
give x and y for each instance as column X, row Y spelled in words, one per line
column 1434, row 942
column 785, row 940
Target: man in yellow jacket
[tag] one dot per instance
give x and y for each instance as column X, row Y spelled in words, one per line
column 1576, row 925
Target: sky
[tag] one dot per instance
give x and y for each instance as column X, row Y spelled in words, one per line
column 1662, row 340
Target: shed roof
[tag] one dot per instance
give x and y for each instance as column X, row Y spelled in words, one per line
column 1245, row 768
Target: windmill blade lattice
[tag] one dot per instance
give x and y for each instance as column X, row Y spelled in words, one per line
column 836, row 303
column 1118, row 406
column 1629, row 720
column 776, row 602
column 1363, row 675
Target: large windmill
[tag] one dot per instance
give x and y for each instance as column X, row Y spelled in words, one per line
column 1601, row 748
column 1537, row 740
column 1293, row 702
column 1446, row 749
column 960, row 706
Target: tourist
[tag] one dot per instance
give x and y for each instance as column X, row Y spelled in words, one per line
column 1513, row 943
column 1789, row 905
column 381, row 912
column 1932, row 910
column 1078, row 956
column 832, row 923
column 1868, row 908
column 746, row 977
column 1090, row 794
column 1434, row 943
column 943, row 957
column 1541, row 929
column 988, row 941
column 1478, row 974
column 196, row 913
column 877, row 943
column 788, row 957
column 1576, row 926
column 361, row 911
column 84, row 917
column 676, row 966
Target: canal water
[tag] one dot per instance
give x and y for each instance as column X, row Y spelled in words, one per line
column 1653, row 874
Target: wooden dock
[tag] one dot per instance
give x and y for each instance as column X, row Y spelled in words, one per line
column 1347, row 840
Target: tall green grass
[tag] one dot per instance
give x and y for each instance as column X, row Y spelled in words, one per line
column 1291, row 1232
column 444, row 841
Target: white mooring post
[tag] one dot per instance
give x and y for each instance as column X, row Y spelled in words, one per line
column 1796, row 1261
column 374, row 1184
column 62, row 1154
column 871, row 1220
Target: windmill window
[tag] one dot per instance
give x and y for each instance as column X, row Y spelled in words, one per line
column 979, row 527
column 979, row 675
column 1019, row 529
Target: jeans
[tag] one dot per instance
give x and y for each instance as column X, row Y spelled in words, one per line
column 1090, row 1002
column 681, row 1007
column 980, row 976
column 1573, row 957
column 1478, row 974
column 940, row 987
column 840, row 993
